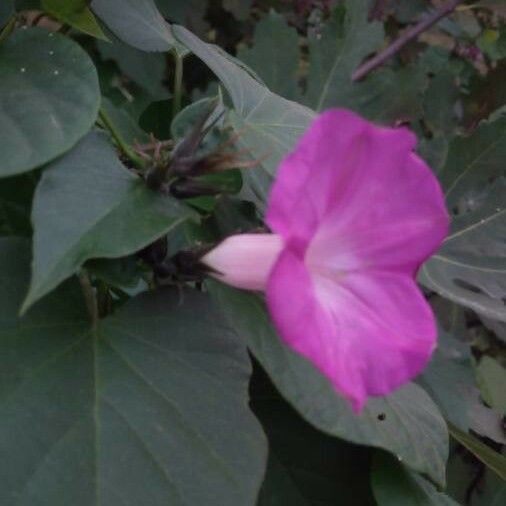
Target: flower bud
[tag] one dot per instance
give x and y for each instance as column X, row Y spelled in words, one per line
column 245, row 260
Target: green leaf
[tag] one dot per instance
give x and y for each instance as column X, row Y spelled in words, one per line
column 491, row 377
column 470, row 267
column 50, row 98
column 394, row 485
column 239, row 8
column 335, row 53
column 500, row 497
column 275, row 55
column 407, row 423
column 150, row 409
column 146, row 70
column 140, row 24
column 388, row 96
column 450, row 380
column 88, row 205
column 307, row 467
column 268, row 125
column 485, row 454
column 76, row 14
column 439, row 104
column 6, row 11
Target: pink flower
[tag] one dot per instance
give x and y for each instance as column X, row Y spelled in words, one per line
column 354, row 214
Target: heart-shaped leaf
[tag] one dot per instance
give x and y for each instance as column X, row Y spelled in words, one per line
column 149, row 408
column 50, row 98
column 88, row 205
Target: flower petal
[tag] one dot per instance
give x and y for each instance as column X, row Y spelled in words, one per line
column 358, row 183
column 368, row 333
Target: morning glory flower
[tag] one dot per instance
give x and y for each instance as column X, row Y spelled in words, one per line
column 354, row 213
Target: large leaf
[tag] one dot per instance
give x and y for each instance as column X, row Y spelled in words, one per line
column 394, row 485
column 88, row 205
column 136, row 22
column 345, row 41
column 406, row 423
column 470, row 267
column 268, row 124
column 275, row 55
column 148, row 409
column 50, row 98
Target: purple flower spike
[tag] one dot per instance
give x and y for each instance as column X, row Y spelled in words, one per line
column 354, row 214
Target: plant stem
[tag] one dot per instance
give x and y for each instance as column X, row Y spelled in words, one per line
column 90, row 298
column 178, row 84
column 125, row 148
column 8, row 28
column 407, row 36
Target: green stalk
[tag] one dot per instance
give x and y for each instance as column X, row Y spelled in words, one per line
column 125, row 148
column 178, row 84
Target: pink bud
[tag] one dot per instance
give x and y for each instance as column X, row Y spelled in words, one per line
column 245, row 261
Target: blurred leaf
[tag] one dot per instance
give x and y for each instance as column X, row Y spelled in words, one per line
column 449, row 378
column 88, row 205
column 146, row 70
column 389, row 96
column 493, row 43
column 335, row 53
column 394, row 485
column 137, row 23
column 119, row 272
column 76, row 14
column 485, row 454
column 307, row 467
column 439, row 104
column 50, row 98
column 239, row 8
column 6, row 11
column 491, row 377
column 470, row 267
column 268, row 125
column 500, row 498
column 406, row 423
column 150, row 408
column 274, row 55
column 406, row 12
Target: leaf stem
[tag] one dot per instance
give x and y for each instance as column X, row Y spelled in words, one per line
column 407, row 36
column 125, row 148
column 178, row 84
column 90, row 298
